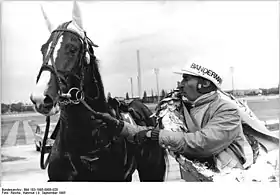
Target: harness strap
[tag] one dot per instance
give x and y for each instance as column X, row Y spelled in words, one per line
column 88, row 107
column 190, row 122
column 43, row 163
column 45, row 67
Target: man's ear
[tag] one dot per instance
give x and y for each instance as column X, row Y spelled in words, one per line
column 206, row 83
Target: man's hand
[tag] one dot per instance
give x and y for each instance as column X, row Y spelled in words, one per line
column 107, row 118
column 112, row 122
column 152, row 133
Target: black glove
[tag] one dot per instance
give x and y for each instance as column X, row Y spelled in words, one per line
column 141, row 137
column 112, row 122
column 145, row 135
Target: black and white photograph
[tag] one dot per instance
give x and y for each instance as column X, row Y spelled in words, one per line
column 139, row 91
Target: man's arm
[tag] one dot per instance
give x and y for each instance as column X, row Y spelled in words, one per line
column 217, row 135
column 121, row 128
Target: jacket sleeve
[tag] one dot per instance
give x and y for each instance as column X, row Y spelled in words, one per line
column 217, row 135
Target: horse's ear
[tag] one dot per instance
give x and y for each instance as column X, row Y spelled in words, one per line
column 76, row 15
column 48, row 23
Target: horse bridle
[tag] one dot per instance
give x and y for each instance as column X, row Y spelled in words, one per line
column 74, row 95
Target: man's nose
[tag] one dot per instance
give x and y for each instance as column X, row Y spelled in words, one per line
column 180, row 85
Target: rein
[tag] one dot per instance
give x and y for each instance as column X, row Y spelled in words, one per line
column 88, row 107
column 75, row 95
column 44, row 163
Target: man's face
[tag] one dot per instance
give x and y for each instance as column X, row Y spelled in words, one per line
column 188, row 87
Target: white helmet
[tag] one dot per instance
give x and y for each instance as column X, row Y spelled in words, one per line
column 197, row 69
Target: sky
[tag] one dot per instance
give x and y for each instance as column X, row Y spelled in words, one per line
column 167, row 34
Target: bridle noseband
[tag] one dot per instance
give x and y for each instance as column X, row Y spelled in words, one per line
column 75, row 94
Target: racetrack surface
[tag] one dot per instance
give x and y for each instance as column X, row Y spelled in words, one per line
column 21, row 163
column 20, row 160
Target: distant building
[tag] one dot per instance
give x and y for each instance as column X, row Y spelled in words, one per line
column 245, row 92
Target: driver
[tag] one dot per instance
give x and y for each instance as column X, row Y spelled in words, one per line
column 215, row 132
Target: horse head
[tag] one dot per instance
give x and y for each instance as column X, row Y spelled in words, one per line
column 68, row 76
column 69, row 67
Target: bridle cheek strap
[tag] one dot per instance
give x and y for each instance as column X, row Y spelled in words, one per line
column 52, row 68
column 44, row 68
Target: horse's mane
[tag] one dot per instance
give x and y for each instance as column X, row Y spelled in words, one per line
column 94, row 63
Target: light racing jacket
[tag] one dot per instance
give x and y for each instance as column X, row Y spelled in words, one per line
column 216, row 132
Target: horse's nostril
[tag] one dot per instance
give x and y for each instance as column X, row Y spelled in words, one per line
column 48, row 101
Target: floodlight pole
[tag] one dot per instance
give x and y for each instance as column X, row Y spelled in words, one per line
column 156, row 70
column 131, row 87
column 232, row 81
column 139, row 74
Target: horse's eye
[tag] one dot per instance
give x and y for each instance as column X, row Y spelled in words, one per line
column 73, row 49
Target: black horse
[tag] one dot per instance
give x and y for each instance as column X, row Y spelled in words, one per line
column 85, row 149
